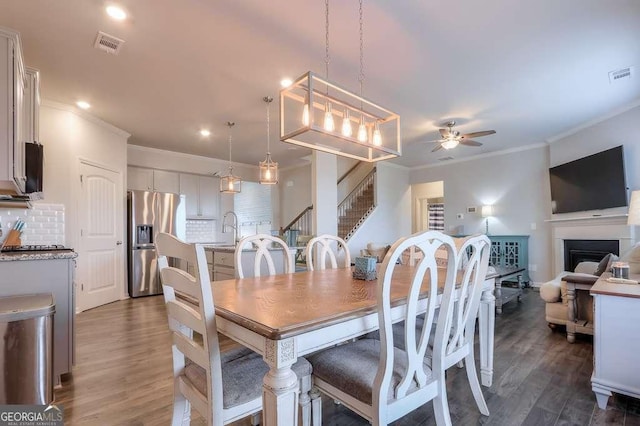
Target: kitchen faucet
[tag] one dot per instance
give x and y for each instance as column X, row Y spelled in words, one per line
column 234, row 225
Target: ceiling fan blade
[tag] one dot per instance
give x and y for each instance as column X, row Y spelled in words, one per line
column 434, row 141
column 444, row 133
column 437, row 148
column 479, row 134
column 469, row 142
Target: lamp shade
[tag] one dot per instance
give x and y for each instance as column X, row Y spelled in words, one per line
column 487, row 210
column 634, row 209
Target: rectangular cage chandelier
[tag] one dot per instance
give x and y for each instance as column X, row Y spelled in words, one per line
column 318, row 114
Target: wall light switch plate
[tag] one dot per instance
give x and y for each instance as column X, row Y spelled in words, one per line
column 459, row 216
column 534, row 226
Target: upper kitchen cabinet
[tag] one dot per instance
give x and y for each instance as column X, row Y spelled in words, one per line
column 31, row 106
column 201, row 194
column 152, row 180
column 12, row 129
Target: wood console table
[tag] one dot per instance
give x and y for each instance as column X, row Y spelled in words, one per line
column 615, row 343
column 505, row 294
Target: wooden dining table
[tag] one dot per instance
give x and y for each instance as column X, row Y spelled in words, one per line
column 286, row 316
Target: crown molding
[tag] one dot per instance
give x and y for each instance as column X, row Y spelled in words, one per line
column 481, row 156
column 590, row 123
column 85, row 115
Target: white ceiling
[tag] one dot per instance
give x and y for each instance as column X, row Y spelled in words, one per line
column 528, row 69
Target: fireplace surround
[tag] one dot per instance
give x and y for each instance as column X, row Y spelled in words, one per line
column 609, row 228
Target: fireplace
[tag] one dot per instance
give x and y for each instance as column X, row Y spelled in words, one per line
column 607, row 228
column 576, row 251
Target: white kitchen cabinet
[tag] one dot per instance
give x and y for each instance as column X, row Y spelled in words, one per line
column 143, row 179
column 56, row 277
column 139, row 179
column 201, row 194
column 164, row 181
column 31, row 106
column 12, row 86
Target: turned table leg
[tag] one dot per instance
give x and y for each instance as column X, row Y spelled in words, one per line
column 280, row 386
column 498, row 297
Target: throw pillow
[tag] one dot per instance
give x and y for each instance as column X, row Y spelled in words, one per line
column 602, row 266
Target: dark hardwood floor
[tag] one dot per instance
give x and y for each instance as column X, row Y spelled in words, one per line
column 123, row 374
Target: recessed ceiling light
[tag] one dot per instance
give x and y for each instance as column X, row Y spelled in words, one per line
column 116, row 13
column 205, row 133
column 83, row 104
column 285, row 82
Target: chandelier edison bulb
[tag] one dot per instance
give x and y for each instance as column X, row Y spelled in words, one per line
column 329, row 124
column 305, row 113
column 346, row 124
column 377, row 136
column 362, row 130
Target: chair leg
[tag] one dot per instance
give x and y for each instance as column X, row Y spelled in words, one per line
column 305, row 400
column 316, row 406
column 255, row 419
column 472, row 375
column 441, row 405
column 181, row 409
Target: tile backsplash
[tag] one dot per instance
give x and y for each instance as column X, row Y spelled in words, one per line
column 201, row 231
column 44, row 223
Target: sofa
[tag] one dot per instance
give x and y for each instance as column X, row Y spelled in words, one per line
column 567, row 297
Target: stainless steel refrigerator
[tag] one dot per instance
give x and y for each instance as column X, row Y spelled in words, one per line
column 150, row 213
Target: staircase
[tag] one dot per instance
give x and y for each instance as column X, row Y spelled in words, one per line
column 357, row 206
column 352, row 211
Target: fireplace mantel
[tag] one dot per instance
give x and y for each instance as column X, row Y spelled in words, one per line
column 611, row 227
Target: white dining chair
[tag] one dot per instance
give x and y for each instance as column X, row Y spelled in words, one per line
column 222, row 386
column 321, row 246
column 263, row 244
column 383, row 383
column 472, row 262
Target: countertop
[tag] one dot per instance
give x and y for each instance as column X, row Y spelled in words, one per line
column 40, row 255
column 232, row 249
column 602, row 286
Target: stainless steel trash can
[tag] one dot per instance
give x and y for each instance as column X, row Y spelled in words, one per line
column 26, row 349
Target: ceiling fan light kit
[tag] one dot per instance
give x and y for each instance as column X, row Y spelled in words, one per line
column 310, row 106
column 452, row 138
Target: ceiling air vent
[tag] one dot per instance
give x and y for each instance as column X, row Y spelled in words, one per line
column 445, row 158
column 620, row 75
column 108, row 43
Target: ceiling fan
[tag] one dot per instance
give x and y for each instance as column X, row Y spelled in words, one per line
column 452, row 138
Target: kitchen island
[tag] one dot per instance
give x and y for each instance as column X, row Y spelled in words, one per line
column 46, row 272
column 222, row 265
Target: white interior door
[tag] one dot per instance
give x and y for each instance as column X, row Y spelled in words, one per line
column 101, row 236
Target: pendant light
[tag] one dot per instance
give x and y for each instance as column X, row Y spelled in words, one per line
column 268, row 168
column 316, row 113
column 229, row 183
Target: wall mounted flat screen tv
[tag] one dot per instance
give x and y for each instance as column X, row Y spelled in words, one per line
column 590, row 183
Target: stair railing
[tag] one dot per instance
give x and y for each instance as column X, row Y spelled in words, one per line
column 357, row 203
column 302, row 222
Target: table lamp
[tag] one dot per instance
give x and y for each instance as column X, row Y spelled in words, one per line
column 487, row 212
column 634, row 209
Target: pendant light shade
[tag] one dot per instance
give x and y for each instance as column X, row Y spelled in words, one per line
column 268, row 167
column 229, row 183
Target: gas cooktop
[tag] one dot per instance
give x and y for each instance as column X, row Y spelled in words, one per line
column 32, row 248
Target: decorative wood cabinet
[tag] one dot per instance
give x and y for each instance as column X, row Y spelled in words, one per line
column 510, row 250
column 201, row 195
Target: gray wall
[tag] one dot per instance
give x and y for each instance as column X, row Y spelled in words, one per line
column 515, row 183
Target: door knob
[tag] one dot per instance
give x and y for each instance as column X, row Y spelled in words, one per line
column 118, row 243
